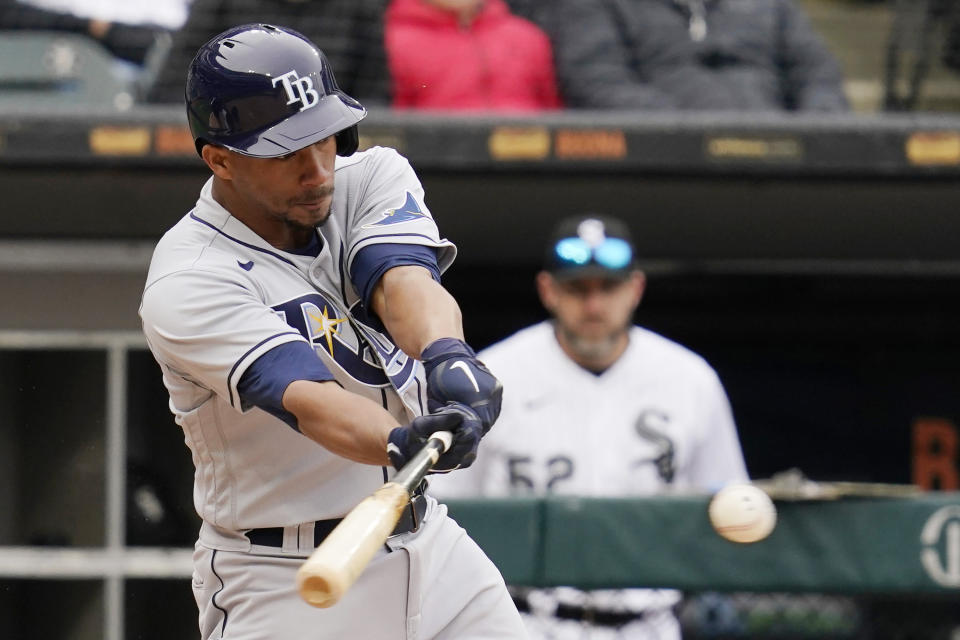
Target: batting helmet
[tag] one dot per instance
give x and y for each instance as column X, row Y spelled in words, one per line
column 267, row 91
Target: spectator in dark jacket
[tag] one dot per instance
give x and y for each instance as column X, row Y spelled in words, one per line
column 350, row 33
column 468, row 55
column 125, row 41
column 692, row 54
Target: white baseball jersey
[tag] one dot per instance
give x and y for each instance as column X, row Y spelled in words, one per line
column 656, row 421
column 238, row 297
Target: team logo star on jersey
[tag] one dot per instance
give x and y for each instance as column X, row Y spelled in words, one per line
column 409, row 211
column 327, row 326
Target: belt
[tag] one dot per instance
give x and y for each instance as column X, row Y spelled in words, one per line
column 409, row 521
column 597, row 617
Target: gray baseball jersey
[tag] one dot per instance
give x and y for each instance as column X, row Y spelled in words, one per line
column 657, row 421
column 217, row 298
column 237, row 298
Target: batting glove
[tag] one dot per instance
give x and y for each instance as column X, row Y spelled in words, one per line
column 455, row 374
column 462, row 421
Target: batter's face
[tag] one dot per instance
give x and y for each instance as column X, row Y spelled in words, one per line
column 592, row 315
column 283, row 199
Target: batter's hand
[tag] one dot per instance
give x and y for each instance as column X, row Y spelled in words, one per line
column 455, row 374
column 462, row 421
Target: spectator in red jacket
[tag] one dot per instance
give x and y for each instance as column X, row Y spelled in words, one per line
column 467, row 55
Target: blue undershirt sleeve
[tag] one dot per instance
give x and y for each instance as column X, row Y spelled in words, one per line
column 264, row 382
column 374, row 260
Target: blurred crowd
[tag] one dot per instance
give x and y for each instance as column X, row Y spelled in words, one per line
column 505, row 55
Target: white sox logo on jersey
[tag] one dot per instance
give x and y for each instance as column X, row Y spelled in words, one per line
column 330, row 333
column 298, row 89
column 651, row 426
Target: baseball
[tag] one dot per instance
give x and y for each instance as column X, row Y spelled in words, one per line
column 742, row 513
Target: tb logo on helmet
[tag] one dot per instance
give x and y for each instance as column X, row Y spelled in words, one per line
column 298, row 89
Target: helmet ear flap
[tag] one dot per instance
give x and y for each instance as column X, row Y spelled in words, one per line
column 348, row 141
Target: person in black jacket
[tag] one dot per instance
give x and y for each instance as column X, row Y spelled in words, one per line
column 350, row 32
column 125, row 41
column 692, row 54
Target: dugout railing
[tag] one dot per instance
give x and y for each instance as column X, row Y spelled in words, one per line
column 857, row 568
column 851, row 544
column 64, row 417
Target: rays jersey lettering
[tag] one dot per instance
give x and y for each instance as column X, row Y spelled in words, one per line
column 348, row 342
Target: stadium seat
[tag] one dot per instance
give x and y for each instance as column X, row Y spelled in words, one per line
column 39, row 68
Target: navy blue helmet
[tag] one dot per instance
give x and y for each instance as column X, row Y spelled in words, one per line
column 267, row 91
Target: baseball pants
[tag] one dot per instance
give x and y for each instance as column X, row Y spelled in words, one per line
column 432, row 584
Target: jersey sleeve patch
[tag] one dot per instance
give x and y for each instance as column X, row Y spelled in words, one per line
column 410, row 210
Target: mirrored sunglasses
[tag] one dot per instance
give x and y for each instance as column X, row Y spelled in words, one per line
column 612, row 253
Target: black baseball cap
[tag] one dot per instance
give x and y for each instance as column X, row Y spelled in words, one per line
column 590, row 246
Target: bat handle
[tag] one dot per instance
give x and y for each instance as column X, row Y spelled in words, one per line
column 412, row 473
column 445, row 438
column 341, row 557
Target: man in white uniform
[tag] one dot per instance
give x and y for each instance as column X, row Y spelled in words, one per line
column 595, row 406
column 307, row 346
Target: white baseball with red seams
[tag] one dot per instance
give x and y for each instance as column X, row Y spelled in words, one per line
column 742, row 513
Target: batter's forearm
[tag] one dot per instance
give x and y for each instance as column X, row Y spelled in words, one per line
column 416, row 309
column 344, row 423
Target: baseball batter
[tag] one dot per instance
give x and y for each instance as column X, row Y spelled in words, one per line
column 598, row 407
column 307, row 346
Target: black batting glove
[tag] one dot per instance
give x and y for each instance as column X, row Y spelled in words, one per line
column 459, row 419
column 455, row 374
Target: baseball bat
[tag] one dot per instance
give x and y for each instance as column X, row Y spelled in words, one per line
column 343, row 555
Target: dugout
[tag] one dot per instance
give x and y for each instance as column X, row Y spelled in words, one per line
column 812, row 261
